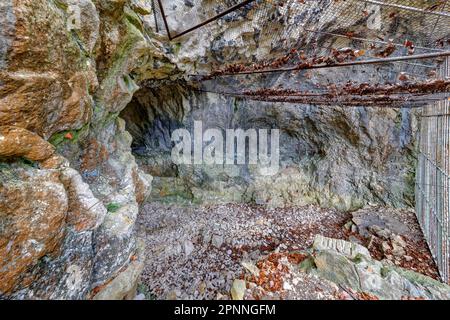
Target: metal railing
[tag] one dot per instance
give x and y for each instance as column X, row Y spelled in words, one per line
column 433, row 178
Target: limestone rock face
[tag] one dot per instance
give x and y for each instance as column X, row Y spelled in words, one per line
column 124, row 285
column 349, row 249
column 33, row 211
column 46, row 75
column 19, row 142
column 331, row 156
column 85, row 211
column 70, row 188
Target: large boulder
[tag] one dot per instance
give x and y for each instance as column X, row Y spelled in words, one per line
column 358, row 272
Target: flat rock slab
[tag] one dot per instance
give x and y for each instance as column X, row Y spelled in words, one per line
column 366, row 219
column 363, row 274
column 348, row 249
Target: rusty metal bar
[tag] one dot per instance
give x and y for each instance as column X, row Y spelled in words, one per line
column 437, row 20
column 161, row 8
column 433, row 179
column 417, row 65
column 155, row 16
column 344, row 64
column 409, row 103
column 229, row 10
column 435, row 115
column 408, row 8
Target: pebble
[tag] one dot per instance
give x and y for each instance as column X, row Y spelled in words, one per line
column 188, row 247
column 385, row 246
column 217, row 241
column 287, row 286
column 238, row 289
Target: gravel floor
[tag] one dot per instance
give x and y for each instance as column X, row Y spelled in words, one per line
column 196, row 252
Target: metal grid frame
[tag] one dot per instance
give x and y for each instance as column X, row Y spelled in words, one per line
column 433, row 179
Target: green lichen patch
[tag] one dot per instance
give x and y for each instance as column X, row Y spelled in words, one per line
column 113, row 207
column 72, row 136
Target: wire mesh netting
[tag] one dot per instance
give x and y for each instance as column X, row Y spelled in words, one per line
column 287, row 21
column 288, row 37
column 317, row 26
column 433, row 200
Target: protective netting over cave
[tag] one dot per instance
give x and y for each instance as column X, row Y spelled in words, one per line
column 350, row 53
column 383, row 53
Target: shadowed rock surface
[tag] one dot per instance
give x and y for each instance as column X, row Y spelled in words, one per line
column 331, row 156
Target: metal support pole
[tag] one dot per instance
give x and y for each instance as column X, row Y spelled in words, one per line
column 155, row 16
column 161, row 7
column 229, row 10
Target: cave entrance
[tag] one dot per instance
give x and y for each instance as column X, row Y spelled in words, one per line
column 151, row 118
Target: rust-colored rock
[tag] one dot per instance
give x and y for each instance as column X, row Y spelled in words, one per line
column 47, row 78
column 95, row 153
column 18, row 142
column 142, row 183
column 33, row 206
column 50, row 76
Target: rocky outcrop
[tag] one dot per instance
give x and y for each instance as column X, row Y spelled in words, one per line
column 125, row 284
column 34, row 206
column 70, row 189
column 352, row 268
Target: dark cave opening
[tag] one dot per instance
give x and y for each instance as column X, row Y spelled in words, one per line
column 327, row 153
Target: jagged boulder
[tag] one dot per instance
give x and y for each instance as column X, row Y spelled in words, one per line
column 351, row 267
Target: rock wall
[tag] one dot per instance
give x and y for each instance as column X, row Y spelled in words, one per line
column 332, row 156
column 70, row 189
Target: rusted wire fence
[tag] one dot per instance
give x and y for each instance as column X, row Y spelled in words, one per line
column 372, row 28
column 294, row 36
column 433, row 178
